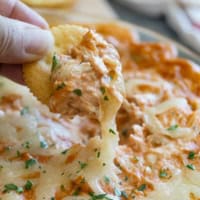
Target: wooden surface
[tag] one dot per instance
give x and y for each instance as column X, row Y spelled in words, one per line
column 82, row 11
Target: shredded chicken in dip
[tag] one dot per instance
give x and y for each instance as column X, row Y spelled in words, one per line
column 84, row 77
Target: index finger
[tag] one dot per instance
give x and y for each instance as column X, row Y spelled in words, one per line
column 17, row 10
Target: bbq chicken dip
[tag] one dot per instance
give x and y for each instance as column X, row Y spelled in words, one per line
column 119, row 119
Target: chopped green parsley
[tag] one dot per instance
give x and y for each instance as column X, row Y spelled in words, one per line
column 190, row 166
column 43, row 144
column 62, row 187
column 18, row 153
column 99, row 196
column 55, row 63
column 65, row 151
column 112, row 131
column 26, row 145
column 123, row 194
column 12, row 187
column 142, row 187
column 77, row 191
column 103, row 90
column 106, row 98
column 106, row 179
column 28, row 185
column 126, row 178
column 163, row 174
column 29, row 163
column 24, row 111
column 173, row 127
column 117, row 192
column 82, row 164
column 60, row 86
column 78, row 92
column 98, row 154
column 191, row 155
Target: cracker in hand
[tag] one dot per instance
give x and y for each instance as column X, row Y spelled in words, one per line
column 80, row 76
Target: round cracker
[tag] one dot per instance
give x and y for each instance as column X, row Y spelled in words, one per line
column 49, row 3
column 37, row 74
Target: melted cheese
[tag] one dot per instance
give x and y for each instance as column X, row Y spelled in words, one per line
column 180, row 187
column 92, row 62
column 23, row 133
column 158, row 155
column 156, row 127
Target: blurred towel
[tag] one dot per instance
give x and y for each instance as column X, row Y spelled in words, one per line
column 182, row 15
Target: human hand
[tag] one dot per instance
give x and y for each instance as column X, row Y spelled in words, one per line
column 23, row 37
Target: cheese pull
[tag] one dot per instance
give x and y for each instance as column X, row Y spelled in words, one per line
column 83, row 76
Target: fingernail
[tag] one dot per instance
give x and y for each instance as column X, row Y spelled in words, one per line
column 38, row 41
column 43, row 23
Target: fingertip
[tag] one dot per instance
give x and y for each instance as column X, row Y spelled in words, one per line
column 37, row 20
column 26, row 14
column 43, row 23
column 28, row 43
column 40, row 44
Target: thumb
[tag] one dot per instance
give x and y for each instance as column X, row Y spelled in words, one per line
column 21, row 42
